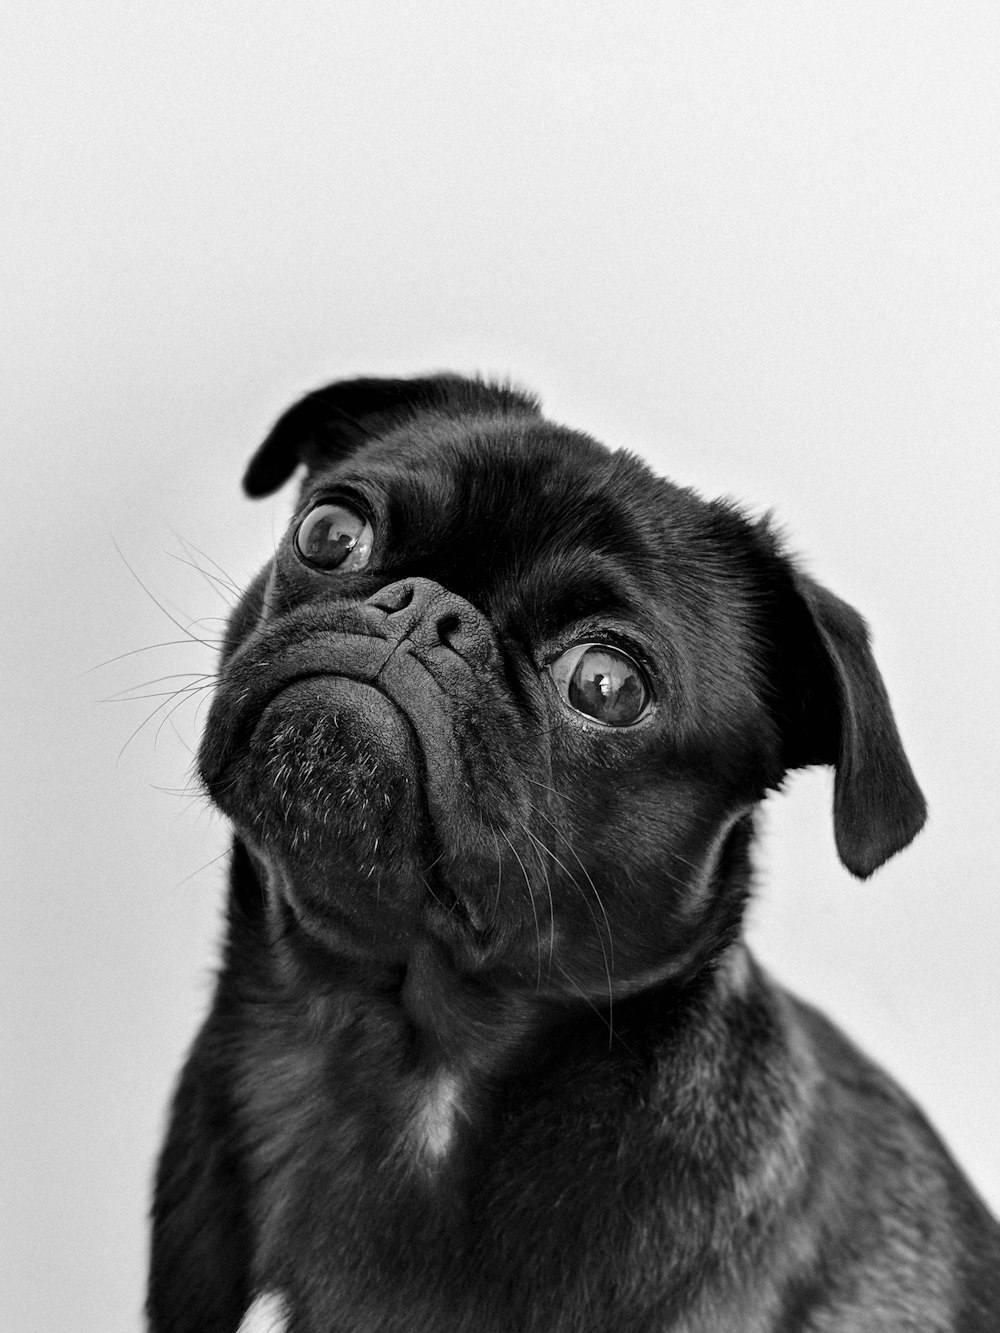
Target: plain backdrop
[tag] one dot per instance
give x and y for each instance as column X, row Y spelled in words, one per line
column 758, row 244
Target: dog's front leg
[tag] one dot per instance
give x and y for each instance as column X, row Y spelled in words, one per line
column 199, row 1280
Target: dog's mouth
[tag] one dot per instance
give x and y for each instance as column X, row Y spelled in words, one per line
column 309, row 753
column 360, row 757
column 372, row 755
column 283, row 701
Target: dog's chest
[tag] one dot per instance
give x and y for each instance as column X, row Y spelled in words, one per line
column 432, row 1126
column 421, row 1201
column 315, row 1114
column 351, row 1150
column 374, row 1187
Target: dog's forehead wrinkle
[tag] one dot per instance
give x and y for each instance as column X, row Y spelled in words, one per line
column 486, row 470
column 560, row 592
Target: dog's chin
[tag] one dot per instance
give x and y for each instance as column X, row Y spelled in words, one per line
column 326, row 784
column 328, row 780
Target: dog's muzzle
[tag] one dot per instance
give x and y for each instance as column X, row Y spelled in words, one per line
column 335, row 715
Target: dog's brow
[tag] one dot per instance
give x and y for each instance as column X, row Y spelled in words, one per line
column 580, row 586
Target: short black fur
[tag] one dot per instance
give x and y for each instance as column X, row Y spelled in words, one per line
column 487, row 1052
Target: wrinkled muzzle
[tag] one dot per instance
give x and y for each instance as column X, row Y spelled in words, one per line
column 376, row 738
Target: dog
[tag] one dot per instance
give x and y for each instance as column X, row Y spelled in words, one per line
column 487, row 1052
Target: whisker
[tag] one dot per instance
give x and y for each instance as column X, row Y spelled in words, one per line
column 227, row 579
column 534, row 910
column 496, row 900
column 188, row 792
column 607, row 954
column 178, row 736
column 214, row 861
column 548, row 890
column 607, row 924
column 214, row 582
column 426, row 884
column 168, row 643
column 587, row 1000
column 123, row 696
column 567, row 798
column 185, row 692
column 155, row 600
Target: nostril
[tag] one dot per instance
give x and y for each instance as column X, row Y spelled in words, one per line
column 449, row 626
column 421, row 610
column 395, row 597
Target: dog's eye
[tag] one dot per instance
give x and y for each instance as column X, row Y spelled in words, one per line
column 602, row 684
column 332, row 536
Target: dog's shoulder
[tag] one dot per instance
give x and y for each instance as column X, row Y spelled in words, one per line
column 899, row 1214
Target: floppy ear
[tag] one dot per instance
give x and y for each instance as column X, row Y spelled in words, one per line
column 842, row 717
column 334, row 421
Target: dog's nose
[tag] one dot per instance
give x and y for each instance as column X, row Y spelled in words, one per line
column 423, row 611
column 395, row 597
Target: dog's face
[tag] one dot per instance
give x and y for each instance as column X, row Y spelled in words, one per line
column 493, row 666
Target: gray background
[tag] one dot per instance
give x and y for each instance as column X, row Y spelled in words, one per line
column 756, row 243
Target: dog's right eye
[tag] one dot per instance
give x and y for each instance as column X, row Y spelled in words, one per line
column 334, row 536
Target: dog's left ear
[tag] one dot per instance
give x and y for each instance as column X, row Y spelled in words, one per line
column 840, row 715
column 335, row 421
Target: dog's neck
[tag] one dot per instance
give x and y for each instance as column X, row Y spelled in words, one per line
column 425, row 1055
column 457, row 1040
column 419, row 1049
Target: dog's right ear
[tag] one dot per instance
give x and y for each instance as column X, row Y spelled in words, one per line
column 335, row 421
column 332, row 423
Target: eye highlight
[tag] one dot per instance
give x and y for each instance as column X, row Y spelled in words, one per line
column 334, row 537
column 602, row 683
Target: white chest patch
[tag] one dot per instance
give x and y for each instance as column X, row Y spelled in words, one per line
column 432, row 1128
column 268, row 1314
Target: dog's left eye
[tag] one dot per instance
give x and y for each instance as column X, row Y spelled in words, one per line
column 602, row 683
column 334, row 536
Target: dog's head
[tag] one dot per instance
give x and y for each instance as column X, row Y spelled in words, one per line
column 505, row 690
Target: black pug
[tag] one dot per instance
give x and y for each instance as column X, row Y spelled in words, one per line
column 487, row 1053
